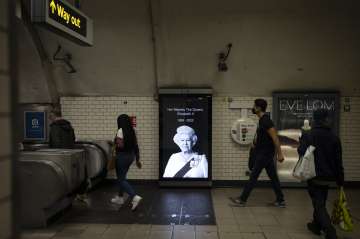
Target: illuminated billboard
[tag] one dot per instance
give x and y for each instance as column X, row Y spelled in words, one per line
column 185, row 137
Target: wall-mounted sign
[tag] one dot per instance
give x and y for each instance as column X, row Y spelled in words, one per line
column 347, row 107
column 291, row 109
column 185, row 137
column 34, row 125
column 65, row 15
column 243, row 131
column 63, row 18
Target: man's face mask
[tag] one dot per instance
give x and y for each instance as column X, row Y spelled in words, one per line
column 253, row 110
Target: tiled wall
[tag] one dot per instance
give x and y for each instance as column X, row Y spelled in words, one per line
column 5, row 139
column 350, row 136
column 230, row 160
column 95, row 118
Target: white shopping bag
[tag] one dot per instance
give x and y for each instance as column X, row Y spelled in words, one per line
column 305, row 167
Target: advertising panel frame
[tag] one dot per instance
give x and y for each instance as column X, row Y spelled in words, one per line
column 290, row 109
column 184, row 93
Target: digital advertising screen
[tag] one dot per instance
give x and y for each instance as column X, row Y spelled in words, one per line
column 185, row 137
column 292, row 109
column 293, row 115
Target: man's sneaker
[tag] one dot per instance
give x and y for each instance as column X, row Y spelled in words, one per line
column 238, row 202
column 135, row 202
column 117, row 200
column 314, row 228
column 280, row 204
column 83, row 198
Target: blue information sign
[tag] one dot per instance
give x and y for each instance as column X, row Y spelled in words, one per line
column 35, row 128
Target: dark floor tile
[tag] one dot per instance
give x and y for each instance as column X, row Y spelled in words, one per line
column 161, row 206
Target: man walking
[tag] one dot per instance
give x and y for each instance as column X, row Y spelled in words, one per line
column 267, row 145
column 329, row 168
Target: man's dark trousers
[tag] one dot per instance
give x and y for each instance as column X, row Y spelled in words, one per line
column 321, row 218
column 263, row 160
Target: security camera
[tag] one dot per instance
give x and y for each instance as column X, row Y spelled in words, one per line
column 222, row 66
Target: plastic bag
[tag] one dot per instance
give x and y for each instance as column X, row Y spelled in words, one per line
column 341, row 215
column 305, row 167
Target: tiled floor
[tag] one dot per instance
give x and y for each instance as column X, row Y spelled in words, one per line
column 256, row 221
column 161, row 206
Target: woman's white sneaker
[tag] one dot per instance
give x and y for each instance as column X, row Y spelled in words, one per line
column 135, row 202
column 117, row 200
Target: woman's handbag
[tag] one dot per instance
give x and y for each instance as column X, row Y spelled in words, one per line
column 112, row 161
column 305, row 167
column 341, row 214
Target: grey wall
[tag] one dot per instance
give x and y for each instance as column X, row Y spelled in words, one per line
column 120, row 62
column 34, row 86
column 277, row 45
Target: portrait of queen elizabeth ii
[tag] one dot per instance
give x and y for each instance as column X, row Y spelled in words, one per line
column 187, row 163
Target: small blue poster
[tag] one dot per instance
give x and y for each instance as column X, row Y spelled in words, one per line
column 34, row 125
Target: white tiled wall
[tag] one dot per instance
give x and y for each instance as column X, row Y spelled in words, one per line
column 350, row 136
column 95, row 118
column 230, row 159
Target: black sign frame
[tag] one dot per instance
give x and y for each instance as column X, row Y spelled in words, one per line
column 184, row 181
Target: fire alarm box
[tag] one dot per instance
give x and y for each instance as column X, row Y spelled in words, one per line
column 243, row 131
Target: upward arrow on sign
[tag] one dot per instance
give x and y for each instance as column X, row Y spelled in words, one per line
column 53, row 6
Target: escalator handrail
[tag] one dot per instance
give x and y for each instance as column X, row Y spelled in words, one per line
column 96, row 145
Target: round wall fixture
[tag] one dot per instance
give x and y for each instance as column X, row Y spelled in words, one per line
column 243, row 131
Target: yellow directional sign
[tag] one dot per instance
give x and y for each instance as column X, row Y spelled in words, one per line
column 66, row 16
column 52, row 6
column 63, row 18
column 64, row 13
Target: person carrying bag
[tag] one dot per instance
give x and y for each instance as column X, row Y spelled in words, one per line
column 327, row 158
column 126, row 151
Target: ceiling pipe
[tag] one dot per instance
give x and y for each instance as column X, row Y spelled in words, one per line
column 154, row 30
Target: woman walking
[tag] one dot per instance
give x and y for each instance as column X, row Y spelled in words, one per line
column 127, row 150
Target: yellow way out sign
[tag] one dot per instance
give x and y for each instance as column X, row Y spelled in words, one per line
column 59, row 9
column 64, row 19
